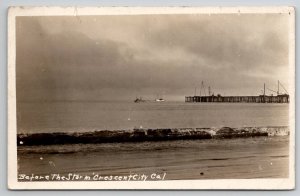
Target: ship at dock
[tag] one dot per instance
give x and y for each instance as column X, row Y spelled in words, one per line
column 263, row 98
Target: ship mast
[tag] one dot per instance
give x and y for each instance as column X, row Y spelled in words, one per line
column 202, row 87
column 278, row 88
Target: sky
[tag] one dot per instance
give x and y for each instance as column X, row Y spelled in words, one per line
column 100, row 58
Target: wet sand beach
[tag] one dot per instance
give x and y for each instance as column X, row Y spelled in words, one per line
column 241, row 158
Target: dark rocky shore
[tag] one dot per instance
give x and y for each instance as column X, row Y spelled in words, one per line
column 140, row 135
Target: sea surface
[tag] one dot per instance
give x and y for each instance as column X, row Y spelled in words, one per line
column 239, row 158
column 88, row 116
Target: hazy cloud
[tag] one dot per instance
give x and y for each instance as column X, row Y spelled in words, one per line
column 120, row 57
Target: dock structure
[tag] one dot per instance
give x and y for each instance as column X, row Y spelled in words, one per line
column 239, row 99
column 279, row 98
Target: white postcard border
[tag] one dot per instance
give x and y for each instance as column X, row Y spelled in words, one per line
column 257, row 184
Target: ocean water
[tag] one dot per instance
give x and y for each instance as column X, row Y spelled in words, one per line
column 88, row 116
column 239, row 158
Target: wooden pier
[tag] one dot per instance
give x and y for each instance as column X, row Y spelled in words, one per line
column 279, row 98
column 284, row 98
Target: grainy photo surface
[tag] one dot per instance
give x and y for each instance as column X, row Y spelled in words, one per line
column 153, row 97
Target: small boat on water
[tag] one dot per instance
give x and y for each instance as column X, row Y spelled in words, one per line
column 159, row 100
column 138, row 100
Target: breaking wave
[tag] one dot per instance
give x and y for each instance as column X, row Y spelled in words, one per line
column 140, row 135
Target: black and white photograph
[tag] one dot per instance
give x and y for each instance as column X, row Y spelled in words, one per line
column 151, row 98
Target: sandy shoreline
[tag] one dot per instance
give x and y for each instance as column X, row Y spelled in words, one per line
column 237, row 158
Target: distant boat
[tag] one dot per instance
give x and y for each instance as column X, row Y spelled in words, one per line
column 138, row 100
column 159, row 100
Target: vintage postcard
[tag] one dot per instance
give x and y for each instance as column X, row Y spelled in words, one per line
column 151, row 98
